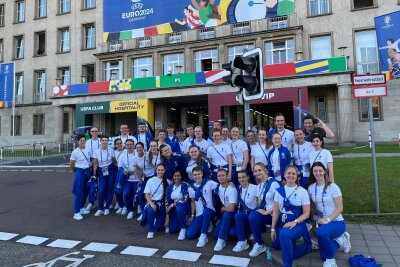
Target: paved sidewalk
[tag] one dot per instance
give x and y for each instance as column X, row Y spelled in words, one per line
column 378, row 241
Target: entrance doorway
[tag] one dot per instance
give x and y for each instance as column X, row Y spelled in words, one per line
column 263, row 114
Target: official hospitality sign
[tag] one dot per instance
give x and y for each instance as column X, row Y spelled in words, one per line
column 6, row 85
column 152, row 17
column 388, row 38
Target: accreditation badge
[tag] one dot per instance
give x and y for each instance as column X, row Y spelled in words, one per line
column 105, row 171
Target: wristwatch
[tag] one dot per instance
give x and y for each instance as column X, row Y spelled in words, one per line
column 296, row 221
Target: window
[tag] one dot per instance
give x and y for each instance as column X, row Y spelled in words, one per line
column 20, row 14
column 40, row 43
column 40, row 90
column 66, row 122
column 241, row 28
column 88, row 73
column 281, row 51
column 1, row 50
column 19, row 87
column 173, row 63
column 234, row 51
column 278, row 23
column 19, row 47
column 321, row 108
column 366, row 52
column 142, row 67
column 144, row 42
column 17, row 125
column 41, row 8
column 38, row 124
column 64, row 36
column 318, row 7
column 174, row 38
column 87, row 4
column 65, row 75
column 321, row 47
column 376, row 108
column 357, row 4
column 65, row 6
column 113, row 70
column 2, row 15
column 90, row 36
column 206, row 33
column 203, row 60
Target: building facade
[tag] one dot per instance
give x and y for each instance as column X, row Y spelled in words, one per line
column 176, row 77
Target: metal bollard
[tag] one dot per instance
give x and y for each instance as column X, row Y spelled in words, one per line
column 42, row 150
column 1, row 153
column 59, row 147
column 369, row 138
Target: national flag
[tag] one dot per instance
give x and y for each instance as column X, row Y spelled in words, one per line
column 215, row 76
column 78, row 89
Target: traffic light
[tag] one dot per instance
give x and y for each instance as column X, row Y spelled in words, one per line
column 246, row 72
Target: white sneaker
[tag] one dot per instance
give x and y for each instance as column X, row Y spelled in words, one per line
column 182, row 234
column 130, row 215
column 241, row 246
column 346, row 244
column 78, row 216
column 116, row 207
column 89, row 207
column 106, row 212
column 140, row 218
column 98, row 213
column 210, row 228
column 124, row 211
column 110, row 207
column 257, row 250
column 119, row 211
column 150, row 235
column 139, row 210
column 84, row 211
column 330, row 263
column 220, row 245
column 166, row 230
column 203, row 240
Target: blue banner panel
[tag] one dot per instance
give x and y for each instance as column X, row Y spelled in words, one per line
column 7, row 82
column 129, row 15
column 388, row 38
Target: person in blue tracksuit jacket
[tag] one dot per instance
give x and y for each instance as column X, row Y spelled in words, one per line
column 172, row 140
column 171, row 162
column 279, row 158
column 79, row 164
column 261, row 216
column 178, row 206
column 202, row 207
column 154, row 212
column 328, row 201
column 103, row 160
column 144, row 136
column 291, row 210
column 195, row 159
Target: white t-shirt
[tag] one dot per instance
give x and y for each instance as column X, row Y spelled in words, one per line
column 260, row 153
column 275, row 162
column 189, row 168
column 238, row 147
column 288, row 139
column 92, row 145
column 326, row 203
column 297, row 196
column 155, row 188
column 249, row 196
column 203, row 145
column 81, row 158
column 142, row 163
column 301, row 155
column 104, row 157
column 176, row 194
column 228, row 195
column 127, row 161
column 323, row 156
column 269, row 197
column 124, row 138
column 188, row 142
column 228, row 141
column 142, row 138
column 207, row 194
column 219, row 158
column 118, row 154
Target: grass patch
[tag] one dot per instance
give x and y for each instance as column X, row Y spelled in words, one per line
column 383, row 148
column 355, row 179
column 389, row 219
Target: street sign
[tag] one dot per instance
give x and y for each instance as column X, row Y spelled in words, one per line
column 371, row 79
column 370, row 91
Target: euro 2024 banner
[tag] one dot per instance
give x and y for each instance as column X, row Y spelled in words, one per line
column 6, row 85
column 388, row 38
column 188, row 14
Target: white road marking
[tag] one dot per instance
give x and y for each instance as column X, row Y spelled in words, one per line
column 32, row 240
column 139, row 251
column 100, row 247
column 65, row 258
column 63, row 243
column 7, row 236
column 229, row 261
column 182, row 255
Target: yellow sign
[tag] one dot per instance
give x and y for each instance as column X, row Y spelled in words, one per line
column 143, row 107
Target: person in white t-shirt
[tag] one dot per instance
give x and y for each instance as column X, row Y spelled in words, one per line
column 240, row 154
column 229, row 199
column 190, row 132
column 200, row 141
column 328, row 202
column 288, row 139
column 259, row 152
column 154, row 212
column 79, row 165
column 220, row 155
column 225, row 136
column 124, row 134
column 103, row 160
column 319, row 154
column 301, row 152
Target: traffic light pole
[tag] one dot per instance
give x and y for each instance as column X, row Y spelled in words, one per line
column 246, row 106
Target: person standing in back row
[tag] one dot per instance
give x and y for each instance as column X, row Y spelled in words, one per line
column 313, row 126
column 288, row 139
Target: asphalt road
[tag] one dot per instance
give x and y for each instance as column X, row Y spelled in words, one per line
column 39, row 202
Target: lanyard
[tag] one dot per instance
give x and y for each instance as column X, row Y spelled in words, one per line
column 245, row 193
column 225, row 193
column 101, row 156
column 322, row 197
column 283, row 133
column 155, row 192
column 263, row 150
column 298, row 152
column 316, row 157
column 120, row 153
column 262, row 190
column 127, row 157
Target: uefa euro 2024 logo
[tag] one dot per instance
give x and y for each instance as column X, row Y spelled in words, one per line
column 136, row 5
column 387, row 19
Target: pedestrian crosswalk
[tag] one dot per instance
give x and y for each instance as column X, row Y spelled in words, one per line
column 187, row 256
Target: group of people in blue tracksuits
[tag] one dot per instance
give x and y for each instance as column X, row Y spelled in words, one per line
column 234, row 189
